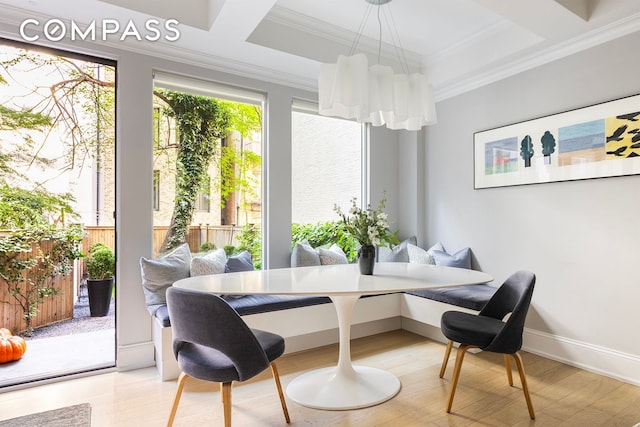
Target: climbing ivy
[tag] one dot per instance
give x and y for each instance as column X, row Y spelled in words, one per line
column 201, row 123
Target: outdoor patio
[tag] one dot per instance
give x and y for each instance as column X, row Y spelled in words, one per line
column 81, row 344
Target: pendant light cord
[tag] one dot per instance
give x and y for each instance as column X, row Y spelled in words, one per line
column 363, row 22
column 393, row 29
column 379, row 34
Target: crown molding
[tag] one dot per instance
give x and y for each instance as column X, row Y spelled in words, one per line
column 561, row 50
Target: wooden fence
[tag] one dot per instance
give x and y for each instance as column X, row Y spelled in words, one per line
column 54, row 309
column 60, row 307
column 220, row 236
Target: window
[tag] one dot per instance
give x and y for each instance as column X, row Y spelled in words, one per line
column 204, row 196
column 156, row 190
column 327, row 164
column 227, row 208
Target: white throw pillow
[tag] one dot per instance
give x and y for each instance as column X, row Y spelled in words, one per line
column 333, row 255
column 417, row 255
column 210, row 263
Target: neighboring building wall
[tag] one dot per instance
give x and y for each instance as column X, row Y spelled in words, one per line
column 326, row 167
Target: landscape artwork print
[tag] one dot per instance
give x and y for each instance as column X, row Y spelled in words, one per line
column 598, row 141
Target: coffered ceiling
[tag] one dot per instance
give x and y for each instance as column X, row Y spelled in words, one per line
column 459, row 44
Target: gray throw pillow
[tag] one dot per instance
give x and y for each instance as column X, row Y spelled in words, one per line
column 461, row 259
column 240, row 262
column 333, row 255
column 304, row 255
column 437, row 247
column 398, row 253
column 213, row 262
column 159, row 274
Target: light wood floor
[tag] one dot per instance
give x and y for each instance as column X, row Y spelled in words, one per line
column 562, row 395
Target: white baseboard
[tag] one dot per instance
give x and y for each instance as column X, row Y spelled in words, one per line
column 135, row 356
column 590, row 357
column 423, row 329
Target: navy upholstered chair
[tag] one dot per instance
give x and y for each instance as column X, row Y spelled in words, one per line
column 211, row 342
column 490, row 331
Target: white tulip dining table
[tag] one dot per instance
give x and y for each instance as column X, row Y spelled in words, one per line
column 343, row 386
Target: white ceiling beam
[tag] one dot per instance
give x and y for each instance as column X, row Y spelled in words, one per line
column 237, row 19
column 547, row 18
column 582, row 8
column 194, row 13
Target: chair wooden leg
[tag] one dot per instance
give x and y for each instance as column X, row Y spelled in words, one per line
column 447, row 353
column 276, row 378
column 456, row 373
column 176, row 400
column 525, row 388
column 226, row 403
column 507, row 364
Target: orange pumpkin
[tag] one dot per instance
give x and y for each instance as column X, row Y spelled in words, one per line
column 12, row 347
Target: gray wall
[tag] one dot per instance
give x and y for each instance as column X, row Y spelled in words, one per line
column 580, row 238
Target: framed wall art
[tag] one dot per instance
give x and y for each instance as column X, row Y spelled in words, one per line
column 598, row 141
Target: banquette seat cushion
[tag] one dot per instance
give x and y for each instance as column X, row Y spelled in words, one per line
column 254, row 304
column 473, row 297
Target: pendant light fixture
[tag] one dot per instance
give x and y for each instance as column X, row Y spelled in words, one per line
column 375, row 94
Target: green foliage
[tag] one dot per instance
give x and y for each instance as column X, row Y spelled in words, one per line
column 37, row 249
column 548, row 143
column 251, row 240
column 237, row 172
column 526, row 148
column 97, row 246
column 101, row 262
column 20, row 209
column 21, row 119
column 11, row 119
column 29, row 259
column 320, row 234
column 201, row 123
column 326, row 234
column 244, row 118
column 229, row 249
column 207, row 246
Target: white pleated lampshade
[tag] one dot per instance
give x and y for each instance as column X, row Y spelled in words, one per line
column 414, row 105
column 353, row 90
column 381, row 94
column 342, row 90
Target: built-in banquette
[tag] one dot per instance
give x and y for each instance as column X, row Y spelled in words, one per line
column 310, row 321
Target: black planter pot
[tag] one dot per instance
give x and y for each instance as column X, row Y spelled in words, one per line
column 99, row 292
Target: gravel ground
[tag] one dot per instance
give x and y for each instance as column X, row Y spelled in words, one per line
column 81, row 322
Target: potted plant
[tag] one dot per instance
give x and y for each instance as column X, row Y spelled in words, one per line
column 370, row 228
column 100, row 268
